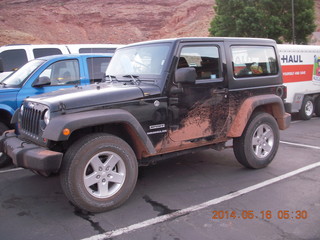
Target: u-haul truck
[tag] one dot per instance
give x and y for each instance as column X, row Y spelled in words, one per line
column 301, row 75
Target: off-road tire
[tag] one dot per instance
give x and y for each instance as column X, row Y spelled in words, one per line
column 259, row 141
column 89, row 159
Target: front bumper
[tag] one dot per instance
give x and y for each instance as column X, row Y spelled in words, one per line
column 29, row 155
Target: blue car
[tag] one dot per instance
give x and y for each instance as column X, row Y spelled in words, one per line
column 47, row 74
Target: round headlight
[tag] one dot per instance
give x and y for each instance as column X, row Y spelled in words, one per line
column 21, row 110
column 46, row 117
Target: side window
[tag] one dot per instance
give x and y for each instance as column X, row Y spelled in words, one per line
column 253, row 61
column 13, row 59
column 62, row 73
column 41, row 52
column 97, row 68
column 97, row 50
column 205, row 59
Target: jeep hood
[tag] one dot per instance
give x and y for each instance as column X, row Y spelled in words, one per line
column 94, row 95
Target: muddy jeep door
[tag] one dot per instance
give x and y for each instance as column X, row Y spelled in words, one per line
column 199, row 108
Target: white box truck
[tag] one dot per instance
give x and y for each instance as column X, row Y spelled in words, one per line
column 301, row 75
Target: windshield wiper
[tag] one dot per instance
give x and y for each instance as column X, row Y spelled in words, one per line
column 134, row 78
column 110, row 78
column 2, row 83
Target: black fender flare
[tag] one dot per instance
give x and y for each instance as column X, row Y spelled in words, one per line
column 250, row 104
column 75, row 121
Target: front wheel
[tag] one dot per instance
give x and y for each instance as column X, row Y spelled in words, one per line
column 259, row 141
column 99, row 172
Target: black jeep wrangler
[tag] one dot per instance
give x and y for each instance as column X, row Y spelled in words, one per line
column 160, row 99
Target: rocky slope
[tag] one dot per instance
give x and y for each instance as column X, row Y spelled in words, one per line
column 106, row 21
column 97, row 21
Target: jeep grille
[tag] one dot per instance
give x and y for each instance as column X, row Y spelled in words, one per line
column 30, row 121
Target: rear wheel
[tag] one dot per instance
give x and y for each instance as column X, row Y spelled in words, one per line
column 259, row 142
column 307, row 108
column 4, row 159
column 99, row 172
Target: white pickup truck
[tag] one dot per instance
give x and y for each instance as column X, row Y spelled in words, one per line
column 12, row 57
column 301, row 74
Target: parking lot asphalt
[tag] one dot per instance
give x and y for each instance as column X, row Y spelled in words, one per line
column 205, row 195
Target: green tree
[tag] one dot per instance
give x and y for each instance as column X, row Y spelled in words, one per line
column 264, row 18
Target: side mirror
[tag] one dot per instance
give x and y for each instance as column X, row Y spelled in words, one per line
column 1, row 66
column 186, row 75
column 42, row 81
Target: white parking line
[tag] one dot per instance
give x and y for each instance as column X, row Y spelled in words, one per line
column 300, row 145
column 11, row 170
column 198, row 207
column 298, row 121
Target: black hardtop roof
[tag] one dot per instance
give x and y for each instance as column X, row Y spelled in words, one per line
column 209, row 39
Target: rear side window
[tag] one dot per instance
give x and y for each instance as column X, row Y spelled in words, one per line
column 97, row 68
column 41, row 52
column 253, row 61
column 97, row 50
column 205, row 59
column 13, row 59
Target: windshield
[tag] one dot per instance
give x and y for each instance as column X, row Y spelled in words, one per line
column 139, row 60
column 19, row 76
